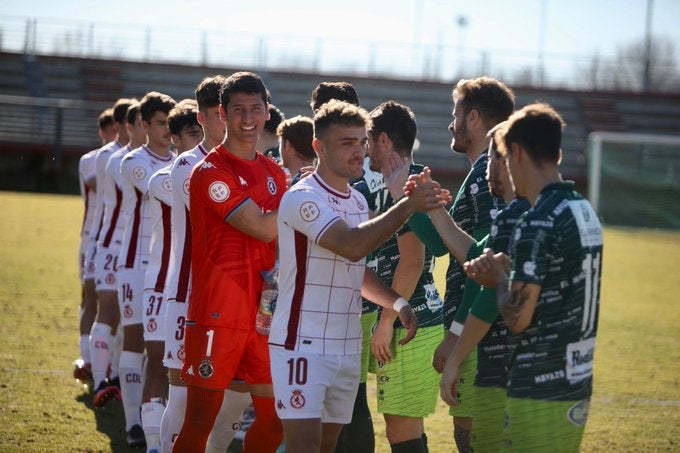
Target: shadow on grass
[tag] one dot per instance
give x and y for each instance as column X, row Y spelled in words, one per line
column 110, row 422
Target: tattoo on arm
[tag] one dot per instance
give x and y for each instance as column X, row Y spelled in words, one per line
column 510, row 303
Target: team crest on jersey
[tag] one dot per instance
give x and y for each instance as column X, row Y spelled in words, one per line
column 185, row 186
column 360, row 205
column 297, row 400
column 151, row 325
column 205, row 369
column 167, row 184
column 127, row 311
column 309, row 211
column 271, row 185
column 474, row 188
column 139, row 172
column 218, row 191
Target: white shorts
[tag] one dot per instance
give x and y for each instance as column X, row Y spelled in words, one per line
column 106, row 269
column 308, row 385
column 130, row 295
column 175, row 331
column 153, row 315
column 88, row 248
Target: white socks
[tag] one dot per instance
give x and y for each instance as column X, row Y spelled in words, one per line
column 227, row 421
column 152, row 413
column 100, row 351
column 173, row 417
column 131, row 386
column 85, row 348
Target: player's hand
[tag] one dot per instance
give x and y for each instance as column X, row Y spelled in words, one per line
column 443, row 351
column 395, row 171
column 381, row 341
column 424, row 193
column 448, row 386
column 410, row 323
column 486, row 268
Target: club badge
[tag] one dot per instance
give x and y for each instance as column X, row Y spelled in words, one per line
column 205, row 369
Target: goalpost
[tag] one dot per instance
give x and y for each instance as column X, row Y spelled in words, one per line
column 634, row 179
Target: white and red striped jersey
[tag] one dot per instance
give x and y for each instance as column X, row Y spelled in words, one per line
column 102, row 159
column 136, row 168
column 113, row 220
column 87, row 169
column 319, row 305
column 160, row 200
column 178, row 285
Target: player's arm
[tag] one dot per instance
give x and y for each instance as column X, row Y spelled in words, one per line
column 474, row 330
column 406, row 276
column 379, row 293
column 354, row 243
column 516, row 299
column 457, row 241
column 249, row 219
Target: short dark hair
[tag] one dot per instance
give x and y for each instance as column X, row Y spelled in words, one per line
column 538, row 129
column 398, row 122
column 184, row 114
column 342, row 113
column 299, row 131
column 120, row 109
column 325, row 91
column 105, row 118
column 243, row 82
column 132, row 112
column 491, row 98
column 153, row 102
column 208, row 92
column 276, row 116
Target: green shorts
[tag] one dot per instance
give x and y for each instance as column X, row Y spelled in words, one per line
column 368, row 320
column 468, row 369
column 408, row 386
column 488, row 413
column 544, row 426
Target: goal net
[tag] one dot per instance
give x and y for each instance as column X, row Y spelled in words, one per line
column 634, row 179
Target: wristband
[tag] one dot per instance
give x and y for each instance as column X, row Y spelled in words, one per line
column 399, row 304
column 456, row 328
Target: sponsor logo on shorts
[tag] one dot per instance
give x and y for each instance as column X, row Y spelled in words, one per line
column 271, row 185
column 151, row 325
column 218, row 191
column 180, row 353
column 297, row 400
column 578, row 413
column 127, row 311
column 110, row 279
column 205, row 369
column 309, row 211
column 90, row 267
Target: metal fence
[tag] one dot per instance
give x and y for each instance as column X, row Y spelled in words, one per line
column 405, row 60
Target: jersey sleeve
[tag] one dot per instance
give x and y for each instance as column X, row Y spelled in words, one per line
column 217, row 190
column 306, row 212
column 485, row 305
column 133, row 170
column 160, row 187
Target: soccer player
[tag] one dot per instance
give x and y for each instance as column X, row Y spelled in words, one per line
column 479, row 104
column 406, row 381
column 483, row 329
column 136, row 168
column 325, row 234
column 326, row 91
column 186, row 134
column 234, row 196
column 550, row 298
column 295, row 145
column 104, row 334
column 87, row 173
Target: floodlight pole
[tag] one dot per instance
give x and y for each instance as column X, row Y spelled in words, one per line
column 646, row 75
